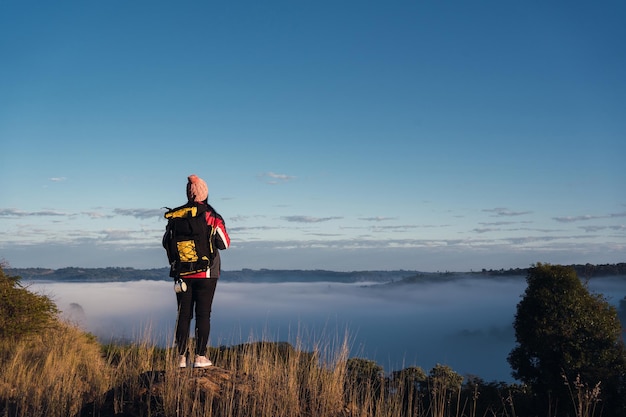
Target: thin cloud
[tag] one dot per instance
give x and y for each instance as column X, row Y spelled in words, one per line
column 394, row 229
column 592, row 229
column 249, row 228
column 400, row 227
column 404, row 227
column 57, row 179
column 21, row 213
column 118, row 235
column 516, row 229
column 140, row 213
column 372, row 243
column 324, row 234
column 504, row 212
column 571, row 219
column 376, row 219
column 97, row 215
column 13, row 213
column 486, row 230
column 309, row 219
column 274, row 178
column 241, row 218
column 539, row 239
column 586, row 217
column 496, row 223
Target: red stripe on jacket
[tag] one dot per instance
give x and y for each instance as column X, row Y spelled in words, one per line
column 222, row 241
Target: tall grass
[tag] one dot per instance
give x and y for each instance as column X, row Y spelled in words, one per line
column 68, row 373
column 53, row 374
column 264, row 379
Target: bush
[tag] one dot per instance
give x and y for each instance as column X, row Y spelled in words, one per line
column 22, row 312
column 564, row 334
column 48, row 368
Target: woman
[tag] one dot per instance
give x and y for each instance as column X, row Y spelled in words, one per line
column 195, row 287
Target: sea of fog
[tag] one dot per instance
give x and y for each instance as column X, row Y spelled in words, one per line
column 465, row 323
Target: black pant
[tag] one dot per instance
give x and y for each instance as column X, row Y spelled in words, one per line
column 200, row 292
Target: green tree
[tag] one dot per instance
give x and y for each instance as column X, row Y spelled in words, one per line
column 565, row 333
column 22, row 312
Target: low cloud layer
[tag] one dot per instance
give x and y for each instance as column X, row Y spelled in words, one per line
column 466, row 323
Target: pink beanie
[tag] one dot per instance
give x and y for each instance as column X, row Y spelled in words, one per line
column 197, row 189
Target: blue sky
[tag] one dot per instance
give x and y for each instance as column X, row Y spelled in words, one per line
column 342, row 135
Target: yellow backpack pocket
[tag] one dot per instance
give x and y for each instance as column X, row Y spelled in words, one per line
column 187, row 251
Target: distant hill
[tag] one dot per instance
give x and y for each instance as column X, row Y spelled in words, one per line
column 583, row 271
column 72, row 274
column 296, row 275
column 115, row 274
column 120, row 274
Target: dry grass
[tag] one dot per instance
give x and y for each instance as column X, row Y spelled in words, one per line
column 265, row 379
column 67, row 373
column 51, row 375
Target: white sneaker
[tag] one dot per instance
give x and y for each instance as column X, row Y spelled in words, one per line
column 182, row 361
column 202, row 362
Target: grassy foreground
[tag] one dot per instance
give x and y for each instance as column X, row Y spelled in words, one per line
column 66, row 372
